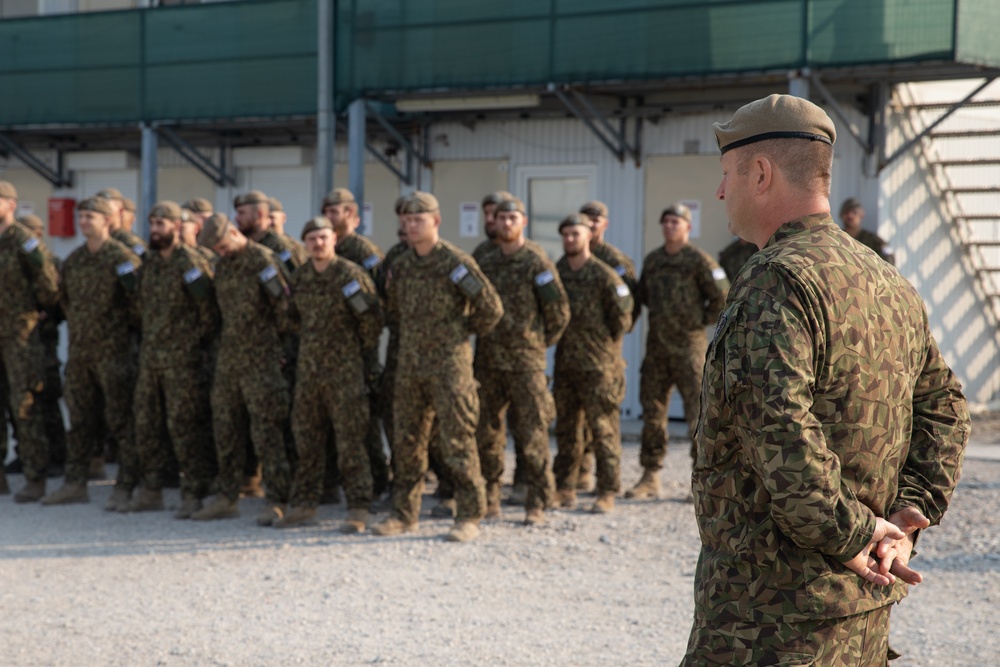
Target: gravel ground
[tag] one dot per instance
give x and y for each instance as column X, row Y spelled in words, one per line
column 84, row 587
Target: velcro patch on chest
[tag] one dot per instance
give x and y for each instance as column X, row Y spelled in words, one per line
column 544, row 278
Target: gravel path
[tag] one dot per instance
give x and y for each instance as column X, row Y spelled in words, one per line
column 84, row 587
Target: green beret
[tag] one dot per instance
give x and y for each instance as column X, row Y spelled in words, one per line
column 850, row 204
column 399, row 204
column 316, row 224
column 495, row 198
column 511, row 204
column 252, row 197
column 338, row 196
column 420, row 202
column 7, row 190
column 95, row 204
column 678, row 209
column 574, row 219
column 110, row 193
column 775, row 117
column 32, row 222
column 216, row 226
column 198, row 205
column 595, row 209
column 166, row 209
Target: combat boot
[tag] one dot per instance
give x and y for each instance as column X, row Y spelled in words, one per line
column 534, row 517
column 356, row 522
column 271, row 513
column 4, row 486
column 31, row 493
column 147, row 500
column 119, row 500
column 220, row 508
column 66, row 494
column 96, row 470
column 445, row 509
column 393, row 526
column 493, row 510
column 463, row 531
column 648, row 487
column 604, row 503
column 189, row 505
column 566, row 499
column 518, row 494
column 300, row 515
column 585, row 481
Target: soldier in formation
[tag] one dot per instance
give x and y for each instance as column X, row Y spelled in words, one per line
column 852, row 214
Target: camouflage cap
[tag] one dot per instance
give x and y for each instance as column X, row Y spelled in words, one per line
column 420, row 202
column 95, row 204
column 574, row 219
column 511, row 204
column 850, row 204
column 216, row 226
column 166, row 209
column 128, row 204
column 338, row 196
column 596, row 209
column 110, row 193
column 316, row 224
column 775, row 117
column 275, row 204
column 495, row 198
column 399, row 204
column 7, row 190
column 252, row 197
column 198, row 205
column 32, row 222
column 678, row 209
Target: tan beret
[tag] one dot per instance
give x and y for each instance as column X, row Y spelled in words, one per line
column 495, row 198
column 775, row 117
column 32, row 222
column 275, row 204
column 95, row 204
column 420, row 202
column 166, row 209
column 7, row 190
column 338, row 196
column 678, row 209
column 572, row 220
column 110, row 193
column 596, row 209
column 128, row 205
column 316, row 224
column 850, row 204
column 198, row 205
column 216, row 226
column 511, row 204
column 399, row 204
column 252, row 197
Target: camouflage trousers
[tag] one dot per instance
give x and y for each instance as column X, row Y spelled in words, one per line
column 453, row 401
column 172, row 412
column 682, row 368
column 525, row 400
column 331, row 405
column 377, row 461
column 48, row 403
column 250, row 399
column 89, row 385
column 594, row 398
column 20, row 364
column 853, row 641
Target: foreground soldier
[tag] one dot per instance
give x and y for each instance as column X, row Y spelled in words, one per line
column 832, row 429
column 179, row 318
column 510, row 361
column 99, row 282
column 29, row 279
column 336, row 307
column 249, row 392
column 589, row 382
column 442, row 297
column 684, row 291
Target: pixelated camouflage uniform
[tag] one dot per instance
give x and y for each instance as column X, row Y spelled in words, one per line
column 52, row 384
column 734, row 256
column 621, row 263
column 826, row 403
column 179, row 318
column 97, row 293
column 484, row 247
column 683, row 292
column 130, row 241
column 589, row 382
column 29, row 282
column 249, row 394
column 339, row 323
column 510, row 367
column 442, row 299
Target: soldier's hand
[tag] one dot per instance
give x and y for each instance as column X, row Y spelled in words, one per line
column 909, row 520
column 865, row 564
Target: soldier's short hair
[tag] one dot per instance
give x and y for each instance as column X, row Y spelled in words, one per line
column 216, row 226
column 494, row 198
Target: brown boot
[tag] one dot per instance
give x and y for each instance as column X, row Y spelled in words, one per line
column 31, row 493
column 356, row 522
column 604, row 503
column 445, row 509
column 271, row 513
column 393, row 526
column 534, row 517
column 220, row 508
column 67, row 494
column 299, row 515
column 648, row 487
column 119, row 500
column 493, row 510
column 463, row 531
column 189, row 505
column 585, row 481
column 4, row 487
column 147, row 500
column 96, row 470
column 566, row 499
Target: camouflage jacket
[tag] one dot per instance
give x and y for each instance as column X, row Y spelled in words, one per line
column 337, row 316
column 252, row 294
column 290, row 254
column 362, row 251
column 535, row 310
column 875, row 242
column 684, row 293
column 391, row 316
column 825, row 403
column 617, row 260
column 734, row 256
column 600, row 307
column 482, row 249
column 130, row 241
column 29, row 281
column 177, row 309
column 97, row 289
column 442, row 299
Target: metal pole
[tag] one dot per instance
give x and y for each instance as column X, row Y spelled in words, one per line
column 147, row 195
column 326, row 126
column 798, row 83
column 356, row 113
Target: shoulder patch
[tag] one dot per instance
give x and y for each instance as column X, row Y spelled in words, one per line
column 268, row 273
column 124, row 268
column 285, row 255
column 544, row 278
column 351, row 288
column 718, row 273
column 458, row 273
column 371, row 261
column 620, row 270
column 192, row 275
column 138, row 250
column 30, row 245
column 622, row 290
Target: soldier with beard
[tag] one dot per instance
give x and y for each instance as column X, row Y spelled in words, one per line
column 489, row 205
